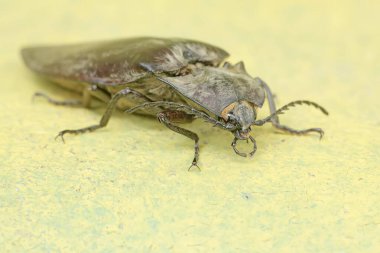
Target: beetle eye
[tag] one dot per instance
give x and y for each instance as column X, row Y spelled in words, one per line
column 231, row 118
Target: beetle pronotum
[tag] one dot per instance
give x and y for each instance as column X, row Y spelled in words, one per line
column 175, row 80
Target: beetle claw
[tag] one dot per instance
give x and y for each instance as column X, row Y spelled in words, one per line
column 192, row 165
column 321, row 134
column 60, row 134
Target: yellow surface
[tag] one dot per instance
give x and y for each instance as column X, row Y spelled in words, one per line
column 126, row 188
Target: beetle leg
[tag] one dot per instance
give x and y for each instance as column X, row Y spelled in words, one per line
column 167, row 118
column 276, row 122
column 299, row 132
column 71, row 102
column 233, row 144
column 227, row 65
column 106, row 116
column 87, row 95
column 272, row 105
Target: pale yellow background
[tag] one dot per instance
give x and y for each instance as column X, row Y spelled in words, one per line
column 126, row 188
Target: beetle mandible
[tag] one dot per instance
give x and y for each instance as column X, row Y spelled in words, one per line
column 176, row 80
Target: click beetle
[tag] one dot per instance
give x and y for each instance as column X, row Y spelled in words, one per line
column 175, row 80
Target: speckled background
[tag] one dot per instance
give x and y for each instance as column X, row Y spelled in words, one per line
column 126, row 188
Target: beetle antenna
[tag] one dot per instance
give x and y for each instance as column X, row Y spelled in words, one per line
column 286, row 107
column 185, row 108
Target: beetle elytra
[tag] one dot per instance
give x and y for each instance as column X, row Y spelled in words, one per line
column 175, row 80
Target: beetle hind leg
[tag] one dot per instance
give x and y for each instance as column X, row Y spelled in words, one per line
column 85, row 101
column 168, row 117
column 106, row 116
column 276, row 122
column 71, row 102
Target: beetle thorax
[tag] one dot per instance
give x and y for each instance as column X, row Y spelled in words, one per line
column 245, row 114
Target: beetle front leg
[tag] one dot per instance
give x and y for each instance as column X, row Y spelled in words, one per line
column 276, row 122
column 167, row 118
column 299, row 132
column 107, row 115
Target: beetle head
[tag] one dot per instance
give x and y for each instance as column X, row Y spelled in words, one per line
column 241, row 114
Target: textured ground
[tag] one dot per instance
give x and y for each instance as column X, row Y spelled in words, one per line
column 127, row 189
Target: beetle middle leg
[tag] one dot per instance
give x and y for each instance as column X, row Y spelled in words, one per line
column 108, row 113
column 168, row 117
column 233, row 144
column 276, row 122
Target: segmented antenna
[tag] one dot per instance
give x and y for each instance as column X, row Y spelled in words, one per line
column 185, row 108
column 286, row 107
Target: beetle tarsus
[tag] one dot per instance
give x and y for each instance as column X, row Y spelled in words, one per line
column 321, row 133
column 194, row 164
column 60, row 134
column 196, row 157
column 77, row 131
